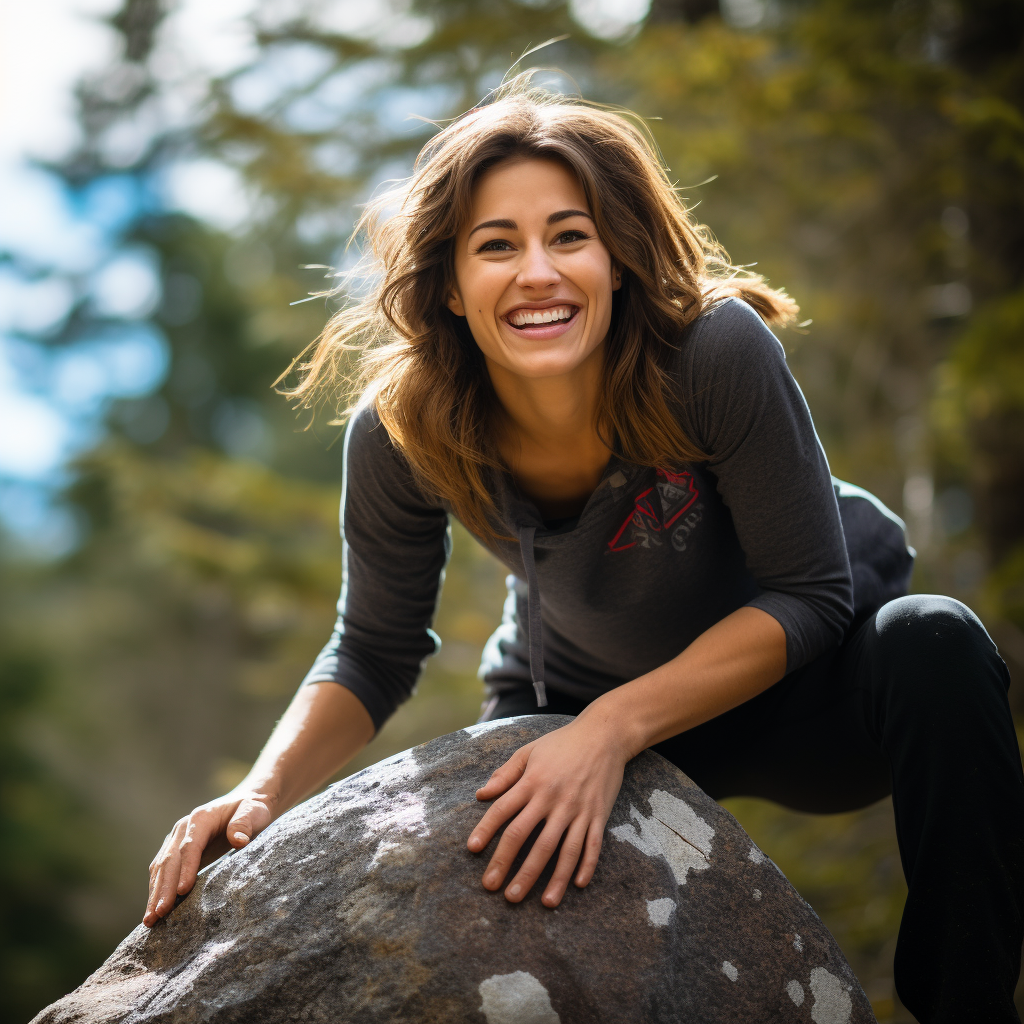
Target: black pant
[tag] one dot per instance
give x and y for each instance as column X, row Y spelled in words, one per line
column 914, row 703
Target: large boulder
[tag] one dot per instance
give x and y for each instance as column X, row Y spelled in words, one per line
column 363, row 905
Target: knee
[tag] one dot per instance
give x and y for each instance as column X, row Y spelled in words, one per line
column 923, row 621
column 937, row 644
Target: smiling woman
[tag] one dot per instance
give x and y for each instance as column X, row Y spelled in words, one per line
column 616, row 224
column 560, row 357
column 537, row 296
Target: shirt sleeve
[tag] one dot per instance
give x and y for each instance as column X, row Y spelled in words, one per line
column 395, row 544
column 749, row 416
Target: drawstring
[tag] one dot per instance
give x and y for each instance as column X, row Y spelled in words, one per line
column 526, row 534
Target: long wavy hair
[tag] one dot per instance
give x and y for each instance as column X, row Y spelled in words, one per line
column 417, row 361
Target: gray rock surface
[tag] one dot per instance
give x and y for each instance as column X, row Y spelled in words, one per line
column 363, row 905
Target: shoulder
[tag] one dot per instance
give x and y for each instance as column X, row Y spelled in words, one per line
column 728, row 339
column 374, row 464
column 732, row 376
column 369, row 447
column 365, row 430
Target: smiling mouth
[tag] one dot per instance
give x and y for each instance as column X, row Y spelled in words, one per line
column 528, row 319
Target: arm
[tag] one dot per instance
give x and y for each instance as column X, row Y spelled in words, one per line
column 570, row 778
column 394, row 546
column 324, row 727
column 742, row 405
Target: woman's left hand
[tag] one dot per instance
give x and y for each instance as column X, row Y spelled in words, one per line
column 568, row 779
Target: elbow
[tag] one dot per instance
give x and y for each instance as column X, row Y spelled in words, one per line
column 836, row 612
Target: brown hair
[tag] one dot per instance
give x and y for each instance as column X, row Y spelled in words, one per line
column 418, row 362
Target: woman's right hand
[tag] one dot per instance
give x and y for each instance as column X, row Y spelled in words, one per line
column 228, row 822
column 322, row 729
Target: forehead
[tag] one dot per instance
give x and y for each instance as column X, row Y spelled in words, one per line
column 526, row 183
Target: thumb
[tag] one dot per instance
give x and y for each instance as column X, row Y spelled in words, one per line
column 249, row 819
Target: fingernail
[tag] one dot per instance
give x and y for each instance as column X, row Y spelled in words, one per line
column 241, row 837
column 474, row 842
column 514, row 890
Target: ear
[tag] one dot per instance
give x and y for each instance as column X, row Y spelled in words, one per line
column 454, row 302
column 616, row 277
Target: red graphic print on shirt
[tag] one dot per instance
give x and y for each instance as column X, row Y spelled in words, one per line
column 676, row 493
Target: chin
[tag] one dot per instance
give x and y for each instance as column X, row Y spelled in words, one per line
column 537, row 367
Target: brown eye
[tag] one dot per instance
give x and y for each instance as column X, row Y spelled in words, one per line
column 567, row 237
column 495, row 245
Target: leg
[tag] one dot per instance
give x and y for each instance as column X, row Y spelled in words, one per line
column 938, row 707
column 917, row 696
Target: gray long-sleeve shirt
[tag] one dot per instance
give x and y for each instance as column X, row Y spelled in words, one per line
column 656, row 557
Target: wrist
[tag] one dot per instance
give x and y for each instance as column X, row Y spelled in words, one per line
column 617, row 727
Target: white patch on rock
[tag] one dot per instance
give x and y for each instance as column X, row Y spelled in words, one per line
column 398, row 768
column 481, row 727
column 517, row 998
column 673, row 831
column 384, row 847
column 756, row 855
column 798, row 943
column 795, row 991
column 757, row 894
column 729, row 971
column 403, row 812
column 660, row 911
column 832, row 1002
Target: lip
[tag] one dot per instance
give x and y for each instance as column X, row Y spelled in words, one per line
column 542, row 332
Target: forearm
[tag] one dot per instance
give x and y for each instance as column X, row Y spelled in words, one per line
column 324, row 727
column 734, row 660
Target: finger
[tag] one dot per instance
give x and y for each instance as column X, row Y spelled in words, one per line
column 162, row 895
column 170, row 840
column 516, row 833
column 250, row 818
column 542, row 851
column 240, row 828
column 200, row 829
column 591, row 853
column 158, row 869
column 568, row 858
column 506, row 776
column 497, row 814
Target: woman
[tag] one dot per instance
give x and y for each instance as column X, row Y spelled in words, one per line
column 559, row 356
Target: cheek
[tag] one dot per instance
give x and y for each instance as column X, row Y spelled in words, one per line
column 481, row 292
column 600, row 286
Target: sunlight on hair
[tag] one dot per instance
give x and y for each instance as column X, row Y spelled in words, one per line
column 395, row 343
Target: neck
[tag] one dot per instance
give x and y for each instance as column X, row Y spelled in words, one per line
column 552, row 412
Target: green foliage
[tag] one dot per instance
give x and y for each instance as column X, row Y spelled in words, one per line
column 44, row 950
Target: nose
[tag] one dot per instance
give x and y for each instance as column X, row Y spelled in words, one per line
column 536, row 269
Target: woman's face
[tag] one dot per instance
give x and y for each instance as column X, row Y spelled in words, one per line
column 532, row 278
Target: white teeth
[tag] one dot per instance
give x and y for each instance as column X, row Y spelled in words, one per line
column 522, row 317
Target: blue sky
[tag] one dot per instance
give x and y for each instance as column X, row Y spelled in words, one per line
column 51, row 403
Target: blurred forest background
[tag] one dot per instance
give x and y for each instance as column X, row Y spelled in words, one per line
column 868, row 155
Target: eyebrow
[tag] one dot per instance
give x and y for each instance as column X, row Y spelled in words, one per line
column 510, row 225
